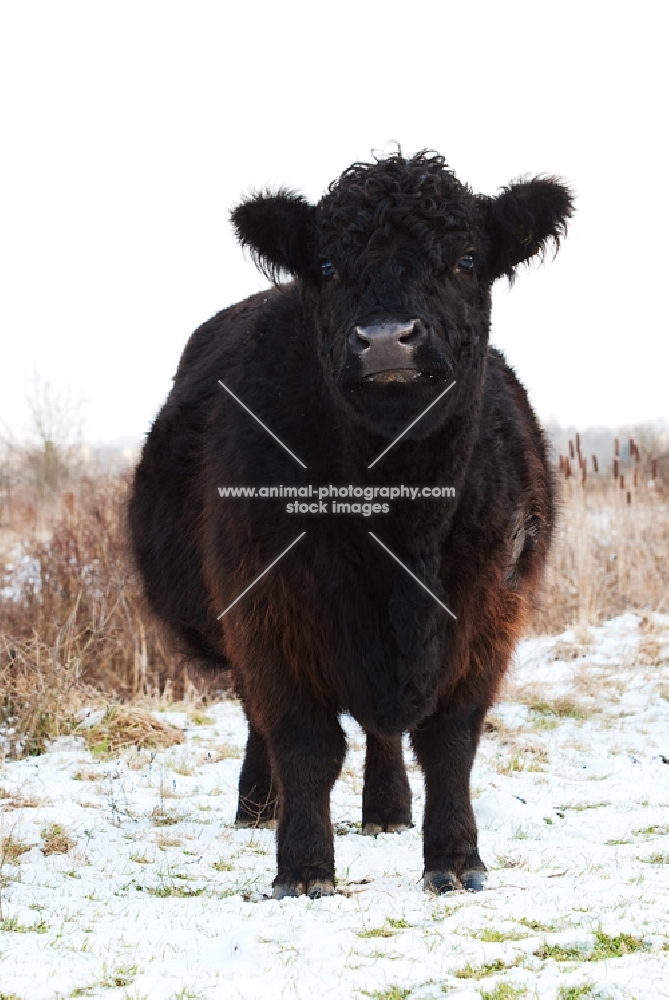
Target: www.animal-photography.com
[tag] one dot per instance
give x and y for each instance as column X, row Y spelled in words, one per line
column 334, row 472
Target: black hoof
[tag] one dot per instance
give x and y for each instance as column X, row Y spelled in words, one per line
column 440, row 882
column 473, row 880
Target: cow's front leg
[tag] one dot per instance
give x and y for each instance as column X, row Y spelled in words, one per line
column 445, row 745
column 307, row 751
column 258, row 797
column 386, row 796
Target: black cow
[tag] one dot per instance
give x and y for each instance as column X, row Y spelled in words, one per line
column 404, row 616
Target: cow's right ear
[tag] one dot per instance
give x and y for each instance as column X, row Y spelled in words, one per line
column 278, row 229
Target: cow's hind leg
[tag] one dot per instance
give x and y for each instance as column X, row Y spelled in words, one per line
column 307, row 753
column 258, row 795
column 445, row 745
column 386, row 796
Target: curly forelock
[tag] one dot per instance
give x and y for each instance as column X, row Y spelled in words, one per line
column 418, row 200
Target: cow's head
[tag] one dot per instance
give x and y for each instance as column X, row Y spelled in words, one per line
column 396, row 263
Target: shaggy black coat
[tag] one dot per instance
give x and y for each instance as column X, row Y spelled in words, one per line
column 389, row 304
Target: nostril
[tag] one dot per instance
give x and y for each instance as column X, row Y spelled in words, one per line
column 361, row 337
column 415, row 334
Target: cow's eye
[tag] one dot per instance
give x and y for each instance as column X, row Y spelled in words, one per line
column 328, row 269
column 466, row 263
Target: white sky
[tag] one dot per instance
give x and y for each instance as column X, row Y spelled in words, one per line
column 129, row 130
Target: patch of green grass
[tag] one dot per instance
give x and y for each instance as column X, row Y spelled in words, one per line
column 574, row 992
column 617, row 842
column 511, row 766
column 174, row 891
column 657, row 859
column 536, row 925
column 615, row 947
column 9, row 996
column 504, row 992
column 544, row 722
column 223, row 865
column 659, row 830
column 490, row 935
column 390, row 993
column 605, row 947
column 121, row 976
column 12, row 924
column 480, row 971
column 582, row 806
column 391, row 927
column 101, row 749
column 200, row 719
column 560, row 954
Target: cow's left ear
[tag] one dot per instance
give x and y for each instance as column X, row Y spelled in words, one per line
column 523, row 220
column 278, row 229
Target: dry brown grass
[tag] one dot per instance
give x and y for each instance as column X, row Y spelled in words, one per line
column 11, row 848
column 74, row 628
column 56, row 840
column 126, row 726
column 609, row 555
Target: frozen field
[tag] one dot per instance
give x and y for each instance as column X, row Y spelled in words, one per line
column 156, row 895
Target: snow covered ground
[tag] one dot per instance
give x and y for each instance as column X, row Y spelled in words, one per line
column 158, row 896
